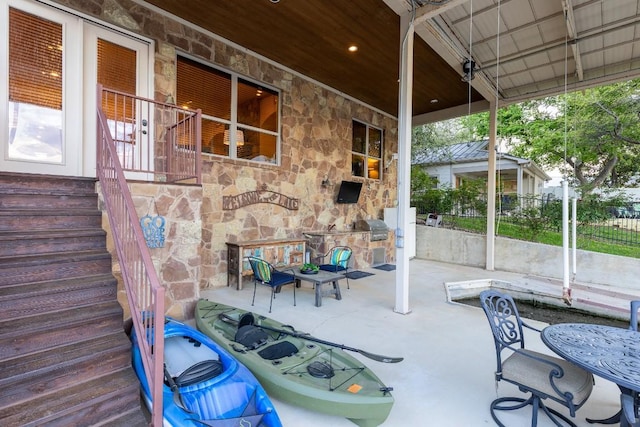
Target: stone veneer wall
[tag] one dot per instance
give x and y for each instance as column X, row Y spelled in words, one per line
column 177, row 263
column 316, row 143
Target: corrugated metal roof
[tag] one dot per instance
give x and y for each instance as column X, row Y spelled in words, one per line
column 473, row 151
column 525, row 48
column 456, row 153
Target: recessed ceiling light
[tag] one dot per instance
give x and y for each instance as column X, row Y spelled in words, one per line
column 353, row 48
column 434, row 101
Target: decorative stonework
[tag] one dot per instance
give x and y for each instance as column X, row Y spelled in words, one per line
column 315, row 145
column 259, row 196
column 177, row 263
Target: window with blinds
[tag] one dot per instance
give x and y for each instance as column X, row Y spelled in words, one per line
column 117, row 70
column 239, row 118
column 35, row 88
column 366, row 151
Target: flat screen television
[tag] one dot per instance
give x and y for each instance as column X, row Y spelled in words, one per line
column 349, row 192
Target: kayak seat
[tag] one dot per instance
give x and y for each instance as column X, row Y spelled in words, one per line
column 251, row 337
column 188, row 361
column 200, row 372
column 278, row 350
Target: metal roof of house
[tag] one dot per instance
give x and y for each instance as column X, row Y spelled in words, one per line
column 457, row 153
column 473, row 151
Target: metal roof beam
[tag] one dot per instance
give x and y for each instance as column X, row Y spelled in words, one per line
column 570, row 20
column 450, row 113
column 429, row 11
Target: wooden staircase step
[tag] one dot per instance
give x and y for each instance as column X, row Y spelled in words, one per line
column 34, row 219
column 30, row 242
column 84, row 404
column 23, row 336
column 37, row 362
column 132, row 418
column 64, row 356
column 56, row 370
column 43, row 184
column 33, row 199
column 25, row 300
column 31, row 268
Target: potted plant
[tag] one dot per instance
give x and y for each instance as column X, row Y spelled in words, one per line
column 309, row 268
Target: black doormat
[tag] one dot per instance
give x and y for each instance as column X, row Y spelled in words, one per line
column 386, row 267
column 357, row 274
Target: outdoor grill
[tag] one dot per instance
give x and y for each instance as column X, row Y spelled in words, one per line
column 377, row 228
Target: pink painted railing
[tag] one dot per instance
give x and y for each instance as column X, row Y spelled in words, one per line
column 120, row 141
column 154, row 141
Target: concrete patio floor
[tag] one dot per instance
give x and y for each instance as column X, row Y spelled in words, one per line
column 446, row 378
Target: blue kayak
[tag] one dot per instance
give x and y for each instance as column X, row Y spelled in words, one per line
column 211, row 388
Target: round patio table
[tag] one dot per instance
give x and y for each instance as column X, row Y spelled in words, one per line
column 608, row 352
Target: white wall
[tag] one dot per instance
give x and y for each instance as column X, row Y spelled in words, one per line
column 458, row 247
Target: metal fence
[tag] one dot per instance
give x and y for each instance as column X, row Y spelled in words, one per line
column 596, row 220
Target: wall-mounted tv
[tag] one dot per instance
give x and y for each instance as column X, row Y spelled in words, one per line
column 349, row 192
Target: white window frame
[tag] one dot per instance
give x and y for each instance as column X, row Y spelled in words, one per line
column 233, row 122
column 366, row 151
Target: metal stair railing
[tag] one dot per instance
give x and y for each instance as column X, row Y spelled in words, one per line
column 144, row 291
column 154, row 141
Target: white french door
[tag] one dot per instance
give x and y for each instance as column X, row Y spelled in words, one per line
column 40, row 89
column 119, row 63
column 50, row 64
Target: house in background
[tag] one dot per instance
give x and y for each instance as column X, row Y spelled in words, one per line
column 451, row 166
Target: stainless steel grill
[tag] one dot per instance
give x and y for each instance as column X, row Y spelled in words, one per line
column 377, row 228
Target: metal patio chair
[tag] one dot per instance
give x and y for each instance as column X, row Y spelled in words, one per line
column 339, row 257
column 541, row 375
column 266, row 274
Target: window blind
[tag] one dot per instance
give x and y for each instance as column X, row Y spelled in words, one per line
column 35, row 60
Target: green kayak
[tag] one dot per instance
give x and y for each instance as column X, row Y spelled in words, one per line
column 304, row 372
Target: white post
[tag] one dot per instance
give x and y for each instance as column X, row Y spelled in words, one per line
column 491, row 188
column 574, row 236
column 405, row 113
column 566, row 288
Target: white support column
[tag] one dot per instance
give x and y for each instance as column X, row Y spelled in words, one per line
column 574, row 238
column 491, row 188
column 404, row 162
column 566, row 285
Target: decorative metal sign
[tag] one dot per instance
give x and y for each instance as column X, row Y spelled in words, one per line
column 153, row 230
column 259, row 196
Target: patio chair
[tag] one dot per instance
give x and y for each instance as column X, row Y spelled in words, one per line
column 339, row 257
column 541, row 375
column 266, row 274
column 633, row 319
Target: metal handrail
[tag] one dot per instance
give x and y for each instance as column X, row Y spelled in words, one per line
column 144, row 291
column 154, row 141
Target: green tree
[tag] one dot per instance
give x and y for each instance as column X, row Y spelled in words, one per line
column 593, row 136
column 437, row 137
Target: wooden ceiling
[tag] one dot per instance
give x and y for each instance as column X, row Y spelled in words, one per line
column 311, row 37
